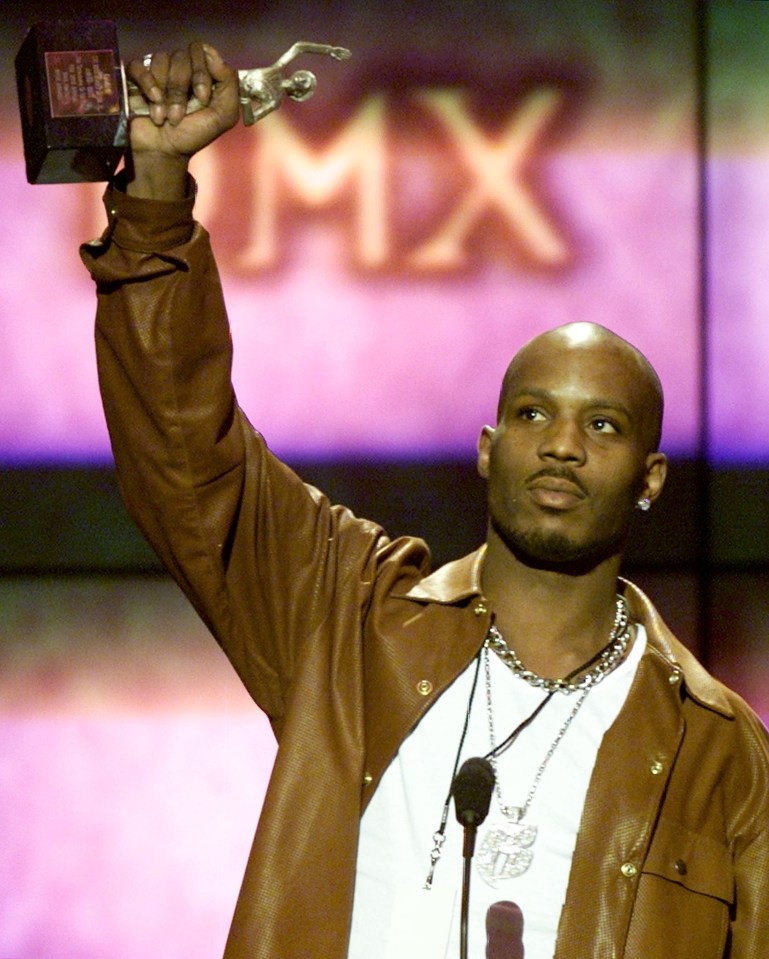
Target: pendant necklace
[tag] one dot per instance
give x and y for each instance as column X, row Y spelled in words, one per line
column 505, row 851
column 506, row 848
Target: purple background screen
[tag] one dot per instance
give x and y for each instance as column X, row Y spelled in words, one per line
column 477, row 173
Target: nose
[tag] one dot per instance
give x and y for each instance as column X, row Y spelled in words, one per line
column 563, row 441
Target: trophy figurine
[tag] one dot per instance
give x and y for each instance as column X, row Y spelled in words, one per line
column 75, row 102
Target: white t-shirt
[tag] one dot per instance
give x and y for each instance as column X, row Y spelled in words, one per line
column 394, row 917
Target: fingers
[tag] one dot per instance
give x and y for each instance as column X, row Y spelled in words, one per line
column 178, row 81
column 168, row 81
column 201, row 75
column 140, row 73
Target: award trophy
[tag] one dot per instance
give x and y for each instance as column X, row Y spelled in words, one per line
column 75, row 102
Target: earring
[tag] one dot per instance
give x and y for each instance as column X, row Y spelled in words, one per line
column 644, row 504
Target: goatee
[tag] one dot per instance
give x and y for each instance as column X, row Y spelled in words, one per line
column 556, row 550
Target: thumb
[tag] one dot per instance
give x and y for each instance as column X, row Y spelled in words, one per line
column 217, row 67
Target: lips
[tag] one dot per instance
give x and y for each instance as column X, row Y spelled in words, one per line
column 555, row 491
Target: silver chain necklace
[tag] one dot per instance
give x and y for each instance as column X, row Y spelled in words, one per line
column 610, row 656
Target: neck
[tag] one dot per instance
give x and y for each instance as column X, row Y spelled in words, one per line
column 555, row 619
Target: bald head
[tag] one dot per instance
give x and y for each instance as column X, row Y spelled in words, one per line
column 561, row 346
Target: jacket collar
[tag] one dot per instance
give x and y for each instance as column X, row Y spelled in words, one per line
column 452, row 583
column 461, row 579
column 699, row 683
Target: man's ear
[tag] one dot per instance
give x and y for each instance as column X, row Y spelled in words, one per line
column 656, row 471
column 484, row 450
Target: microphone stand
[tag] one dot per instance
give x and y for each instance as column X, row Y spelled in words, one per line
column 467, row 854
column 472, row 790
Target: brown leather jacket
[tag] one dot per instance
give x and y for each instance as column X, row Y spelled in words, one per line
column 345, row 639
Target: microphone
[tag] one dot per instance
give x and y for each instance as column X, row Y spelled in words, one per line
column 472, row 788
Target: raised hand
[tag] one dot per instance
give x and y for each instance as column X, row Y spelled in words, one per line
column 163, row 142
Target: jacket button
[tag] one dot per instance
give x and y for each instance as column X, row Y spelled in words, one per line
column 656, row 767
column 675, row 676
column 480, row 609
column 424, row 687
column 629, row 869
column 367, row 779
column 680, row 867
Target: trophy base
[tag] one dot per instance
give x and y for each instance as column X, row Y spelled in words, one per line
column 72, row 101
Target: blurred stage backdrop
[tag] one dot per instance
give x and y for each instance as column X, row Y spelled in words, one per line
column 478, row 172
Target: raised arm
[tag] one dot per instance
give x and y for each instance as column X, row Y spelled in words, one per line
column 257, row 552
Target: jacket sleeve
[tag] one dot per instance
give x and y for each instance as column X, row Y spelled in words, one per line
column 262, row 556
column 750, row 913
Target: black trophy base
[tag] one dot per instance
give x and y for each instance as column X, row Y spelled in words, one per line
column 72, row 101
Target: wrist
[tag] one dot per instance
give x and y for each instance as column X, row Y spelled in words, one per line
column 157, row 176
column 147, row 225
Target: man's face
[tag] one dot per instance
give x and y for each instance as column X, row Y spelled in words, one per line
column 570, row 456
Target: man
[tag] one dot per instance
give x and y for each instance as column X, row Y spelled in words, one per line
column 631, row 811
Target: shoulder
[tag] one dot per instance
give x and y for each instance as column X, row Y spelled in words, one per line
column 697, row 684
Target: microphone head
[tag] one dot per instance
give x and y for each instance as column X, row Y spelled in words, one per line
column 472, row 788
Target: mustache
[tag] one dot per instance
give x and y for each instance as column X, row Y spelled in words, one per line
column 558, row 472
